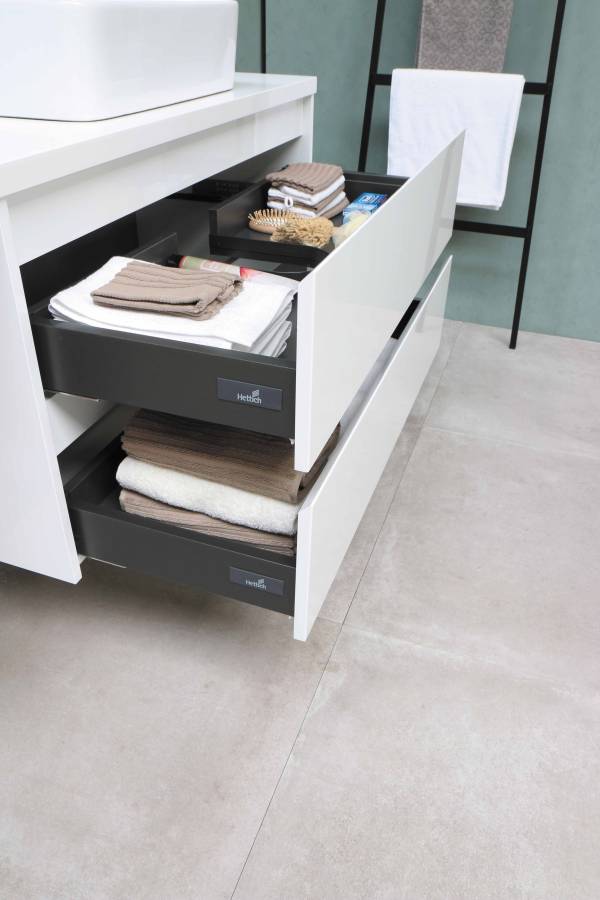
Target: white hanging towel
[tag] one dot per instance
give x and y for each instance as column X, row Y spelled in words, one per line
column 429, row 107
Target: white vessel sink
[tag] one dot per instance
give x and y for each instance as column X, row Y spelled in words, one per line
column 81, row 60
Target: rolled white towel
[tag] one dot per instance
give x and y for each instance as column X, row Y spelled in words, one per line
column 217, row 500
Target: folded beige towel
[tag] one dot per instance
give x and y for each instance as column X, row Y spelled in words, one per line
column 145, row 286
column 139, row 505
column 309, row 177
column 259, row 463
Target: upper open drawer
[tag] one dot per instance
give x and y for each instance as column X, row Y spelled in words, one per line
column 229, row 231
column 347, row 308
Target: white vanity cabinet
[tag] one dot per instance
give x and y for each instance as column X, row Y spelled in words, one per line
column 360, row 351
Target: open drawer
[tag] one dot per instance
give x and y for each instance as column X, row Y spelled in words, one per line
column 328, row 517
column 229, row 231
column 347, row 308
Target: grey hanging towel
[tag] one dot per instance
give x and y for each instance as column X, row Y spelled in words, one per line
column 464, row 34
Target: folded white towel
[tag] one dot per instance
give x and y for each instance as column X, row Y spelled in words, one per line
column 308, row 199
column 221, row 501
column 250, row 319
column 428, row 108
column 275, row 342
column 307, row 213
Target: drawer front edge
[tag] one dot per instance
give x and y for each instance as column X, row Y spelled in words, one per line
column 332, row 512
column 349, row 306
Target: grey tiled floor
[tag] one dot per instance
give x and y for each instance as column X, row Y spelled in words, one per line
column 437, row 737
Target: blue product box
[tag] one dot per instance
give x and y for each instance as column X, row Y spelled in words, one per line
column 364, row 203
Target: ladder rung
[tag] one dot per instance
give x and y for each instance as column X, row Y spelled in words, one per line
column 531, row 87
column 518, row 231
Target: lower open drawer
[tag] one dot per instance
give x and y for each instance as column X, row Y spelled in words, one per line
column 103, row 531
column 328, row 517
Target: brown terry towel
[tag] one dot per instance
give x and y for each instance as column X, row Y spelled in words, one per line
column 139, row 505
column 145, row 286
column 259, row 463
column 308, row 177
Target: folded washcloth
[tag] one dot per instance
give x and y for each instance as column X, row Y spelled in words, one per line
column 463, row 34
column 429, row 108
column 221, row 501
column 275, row 196
column 146, row 286
column 248, row 460
column 332, row 209
column 309, row 177
column 250, row 320
column 139, row 505
column 314, row 200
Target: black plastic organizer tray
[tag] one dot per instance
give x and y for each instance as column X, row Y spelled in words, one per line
column 228, row 222
column 104, row 531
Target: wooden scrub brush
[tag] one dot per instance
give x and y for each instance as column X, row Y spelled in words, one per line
column 268, row 220
column 315, row 232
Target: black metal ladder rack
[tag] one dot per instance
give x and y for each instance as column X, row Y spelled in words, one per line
column 542, row 89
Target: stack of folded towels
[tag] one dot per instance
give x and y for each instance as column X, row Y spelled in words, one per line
column 215, row 480
column 216, row 306
column 308, row 189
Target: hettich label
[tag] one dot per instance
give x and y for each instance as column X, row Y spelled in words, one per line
column 256, row 582
column 257, row 395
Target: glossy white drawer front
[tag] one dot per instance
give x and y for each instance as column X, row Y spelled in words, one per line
column 333, row 510
column 350, row 304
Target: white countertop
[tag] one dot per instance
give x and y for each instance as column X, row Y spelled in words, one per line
column 33, row 152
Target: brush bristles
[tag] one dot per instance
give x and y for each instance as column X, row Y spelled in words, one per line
column 267, row 220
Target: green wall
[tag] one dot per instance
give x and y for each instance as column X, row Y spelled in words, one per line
column 333, row 41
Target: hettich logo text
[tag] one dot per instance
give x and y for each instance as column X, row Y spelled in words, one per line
column 256, row 582
column 259, row 584
column 250, row 394
column 254, row 397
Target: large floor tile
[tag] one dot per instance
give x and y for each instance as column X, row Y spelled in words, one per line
column 144, row 729
column 344, row 587
column 543, row 395
column 418, row 776
column 491, row 549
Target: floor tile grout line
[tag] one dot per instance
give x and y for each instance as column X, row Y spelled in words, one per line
column 557, row 688
column 564, row 688
column 287, row 759
column 402, row 476
column 343, row 622
column 504, row 440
